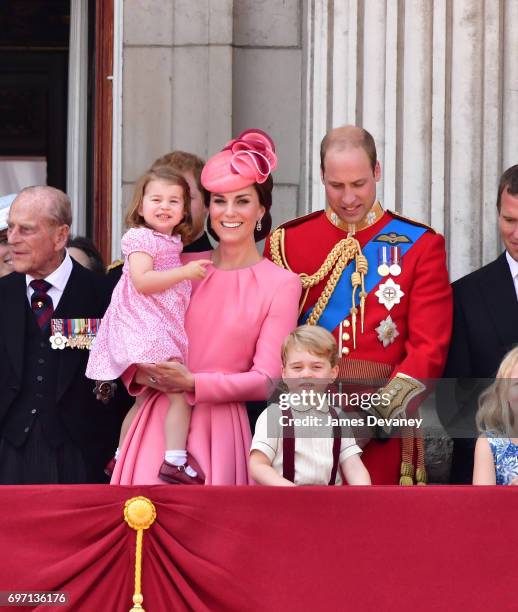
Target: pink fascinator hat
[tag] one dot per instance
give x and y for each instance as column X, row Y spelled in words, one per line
column 250, row 158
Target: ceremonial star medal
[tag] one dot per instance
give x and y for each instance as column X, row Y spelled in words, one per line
column 58, row 341
column 389, row 293
column 387, row 331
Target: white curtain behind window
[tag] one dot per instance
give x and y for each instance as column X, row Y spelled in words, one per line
column 19, row 172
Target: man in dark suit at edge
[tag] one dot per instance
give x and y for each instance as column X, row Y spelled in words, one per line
column 485, row 328
column 52, row 427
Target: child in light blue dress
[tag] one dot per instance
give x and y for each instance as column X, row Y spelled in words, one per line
column 496, row 451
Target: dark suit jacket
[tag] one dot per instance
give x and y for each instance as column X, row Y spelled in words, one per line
column 91, row 425
column 485, row 328
column 486, row 320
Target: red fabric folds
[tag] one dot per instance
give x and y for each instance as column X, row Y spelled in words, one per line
column 261, row 548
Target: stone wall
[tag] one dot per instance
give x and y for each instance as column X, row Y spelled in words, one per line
column 197, row 72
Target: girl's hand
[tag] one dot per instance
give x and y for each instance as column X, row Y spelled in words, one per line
column 514, row 481
column 196, row 270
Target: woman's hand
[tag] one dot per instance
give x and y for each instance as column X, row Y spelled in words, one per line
column 167, row 377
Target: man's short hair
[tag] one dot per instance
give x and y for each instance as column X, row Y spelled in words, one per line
column 509, row 182
column 59, row 208
column 314, row 339
column 349, row 136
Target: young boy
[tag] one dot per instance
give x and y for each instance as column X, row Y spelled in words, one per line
column 283, row 452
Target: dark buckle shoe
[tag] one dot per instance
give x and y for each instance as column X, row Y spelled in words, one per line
column 176, row 474
column 110, row 466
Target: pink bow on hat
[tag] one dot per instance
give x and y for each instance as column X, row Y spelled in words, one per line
column 253, row 155
column 245, row 160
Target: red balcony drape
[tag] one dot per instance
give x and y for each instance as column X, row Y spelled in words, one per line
column 255, row 548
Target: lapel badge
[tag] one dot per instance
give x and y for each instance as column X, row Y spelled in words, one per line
column 387, row 331
column 389, row 293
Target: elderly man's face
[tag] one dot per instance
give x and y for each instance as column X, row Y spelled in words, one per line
column 5, row 255
column 37, row 243
column 508, row 223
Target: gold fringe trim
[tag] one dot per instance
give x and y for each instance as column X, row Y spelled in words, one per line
column 412, row 437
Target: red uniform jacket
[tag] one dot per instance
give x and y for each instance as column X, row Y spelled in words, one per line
column 423, row 317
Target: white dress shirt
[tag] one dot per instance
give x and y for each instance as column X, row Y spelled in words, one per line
column 58, row 279
column 513, row 266
column 313, row 455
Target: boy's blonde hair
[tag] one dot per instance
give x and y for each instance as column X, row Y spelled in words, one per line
column 494, row 412
column 314, row 339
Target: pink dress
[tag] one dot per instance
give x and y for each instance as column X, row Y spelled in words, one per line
column 141, row 328
column 235, row 323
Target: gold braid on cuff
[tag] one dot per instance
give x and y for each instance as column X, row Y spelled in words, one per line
column 401, row 389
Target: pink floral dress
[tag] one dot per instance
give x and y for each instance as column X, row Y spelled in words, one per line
column 141, row 328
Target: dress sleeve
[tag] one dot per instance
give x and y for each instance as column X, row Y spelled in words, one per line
column 139, row 240
column 259, row 381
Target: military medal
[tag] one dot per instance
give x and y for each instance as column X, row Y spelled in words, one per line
column 395, row 261
column 389, row 293
column 57, row 340
column 73, row 333
column 383, row 267
column 387, row 331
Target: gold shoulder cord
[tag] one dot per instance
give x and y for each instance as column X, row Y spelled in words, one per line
column 334, row 264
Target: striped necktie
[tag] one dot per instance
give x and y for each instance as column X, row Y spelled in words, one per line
column 41, row 302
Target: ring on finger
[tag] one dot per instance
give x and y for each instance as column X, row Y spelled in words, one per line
column 152, row 379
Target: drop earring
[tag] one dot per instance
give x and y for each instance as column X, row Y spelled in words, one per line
column 258, row 226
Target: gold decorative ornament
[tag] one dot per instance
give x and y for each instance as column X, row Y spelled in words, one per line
column 334, row 264
column 140, row 514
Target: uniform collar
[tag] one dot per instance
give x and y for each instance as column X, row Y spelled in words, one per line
column 374, row 214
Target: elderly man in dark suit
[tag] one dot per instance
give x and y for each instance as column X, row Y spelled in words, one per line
column 52, row 427
column 485, row 328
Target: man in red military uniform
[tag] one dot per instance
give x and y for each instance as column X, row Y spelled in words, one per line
column 379, row 283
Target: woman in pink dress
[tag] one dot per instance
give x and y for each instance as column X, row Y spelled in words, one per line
column 237, row 319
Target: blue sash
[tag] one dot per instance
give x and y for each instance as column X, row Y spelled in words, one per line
column 340, row 301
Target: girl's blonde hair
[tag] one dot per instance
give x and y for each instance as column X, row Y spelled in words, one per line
column 494, row 412
column 167, row 175
column 314, row 339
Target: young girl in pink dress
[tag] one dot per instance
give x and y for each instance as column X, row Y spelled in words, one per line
column 237, row 318
column 145, row 320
